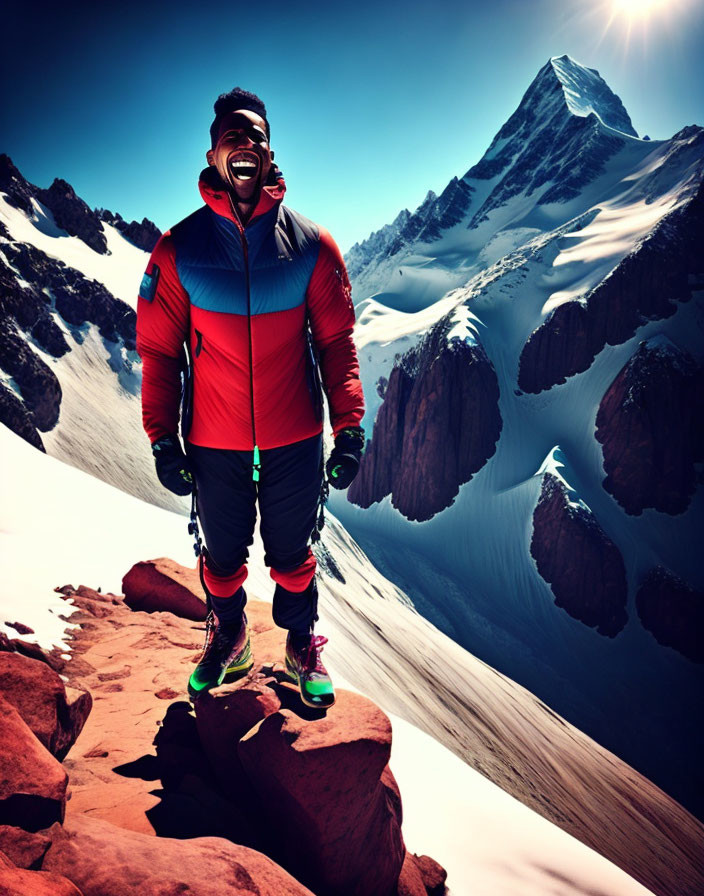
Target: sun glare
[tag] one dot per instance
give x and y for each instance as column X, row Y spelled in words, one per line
column 638, row 9
column 634, row 21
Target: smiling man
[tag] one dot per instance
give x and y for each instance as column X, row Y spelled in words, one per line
column 250, row 301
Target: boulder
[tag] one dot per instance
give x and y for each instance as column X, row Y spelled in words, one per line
column 104, row 860
column 32, row 782
column 55, row 715
column 433, row 874
column 23, row 848
column 323, row 781
column 18, row 882
column 163, row 585
column 225, row 715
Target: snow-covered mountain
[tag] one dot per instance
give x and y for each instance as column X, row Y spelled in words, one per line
column 531, row 349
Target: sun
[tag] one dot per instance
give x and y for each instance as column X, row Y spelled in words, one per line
column 642, row 21
column 638, row 9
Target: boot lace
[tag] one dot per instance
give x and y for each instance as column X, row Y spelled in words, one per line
column 209, row 632
column 311, row 654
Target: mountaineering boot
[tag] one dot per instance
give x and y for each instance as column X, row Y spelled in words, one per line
column 305, row 667
column 227, row 652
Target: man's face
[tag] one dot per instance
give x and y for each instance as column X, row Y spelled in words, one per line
column 241, row 154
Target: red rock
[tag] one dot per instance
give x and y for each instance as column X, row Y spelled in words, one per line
column 649, row 426
column 26, row 850
column 18, row 882
column 164, row 585
column 224, row 715
column 104, row 860
column 32, row 782
column 20, row 628
column 434, row 875
column 437, row 426
column 55, row 715
column 320, row 782
column 574, row 555
column 410, row 881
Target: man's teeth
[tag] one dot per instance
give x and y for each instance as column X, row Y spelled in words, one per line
column 243, row 169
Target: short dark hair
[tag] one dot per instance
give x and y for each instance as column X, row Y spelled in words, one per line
column 237, row 98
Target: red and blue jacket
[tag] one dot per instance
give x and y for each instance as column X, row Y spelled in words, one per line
column 239, row 298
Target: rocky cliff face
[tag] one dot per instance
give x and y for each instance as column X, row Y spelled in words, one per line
column 437, row 426
column 651, row 430
column 581, row 564
column 144, row 234
column 245, row 781
column 663, row 270
column 673, row 612
column 36, row 292
column 73, row 215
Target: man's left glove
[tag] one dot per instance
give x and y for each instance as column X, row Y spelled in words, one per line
column 343, row 463
column 172, row 465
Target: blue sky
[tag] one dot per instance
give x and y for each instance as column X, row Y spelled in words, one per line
column 370, row 104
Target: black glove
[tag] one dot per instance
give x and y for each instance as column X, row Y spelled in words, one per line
column 343, row 463
column 172, row 465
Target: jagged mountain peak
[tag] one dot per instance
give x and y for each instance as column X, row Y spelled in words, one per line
column 586, row 91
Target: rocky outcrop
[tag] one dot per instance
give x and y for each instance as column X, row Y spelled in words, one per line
column 32, row 782
column 29, row 306
column 662, row 270
column 673, row 612
column 651, row 428
column 144, row 234
column 36, row 381
column 437, row 426
column 18, row 191
column 19, row 882
column 77, row 299
column 73, row 215
column 54, row 713
column 573, row 554
column 16, row 416
column 244, row 783
column 327, row 782
column 162, row 585
column 24, row 849
column 105, row 860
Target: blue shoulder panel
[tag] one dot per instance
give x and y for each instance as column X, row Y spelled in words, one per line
column 147, row 288
column 282, row 249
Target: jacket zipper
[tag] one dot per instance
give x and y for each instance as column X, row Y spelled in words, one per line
column 256, row 465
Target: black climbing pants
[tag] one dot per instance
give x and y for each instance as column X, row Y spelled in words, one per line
column 288, row 491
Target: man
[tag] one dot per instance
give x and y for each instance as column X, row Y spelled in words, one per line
column 239, row 282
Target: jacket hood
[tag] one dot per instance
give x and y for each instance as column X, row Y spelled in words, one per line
column 215, row 193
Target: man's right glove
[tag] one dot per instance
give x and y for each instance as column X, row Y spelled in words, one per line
column 343, row 463
column 172, row 465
